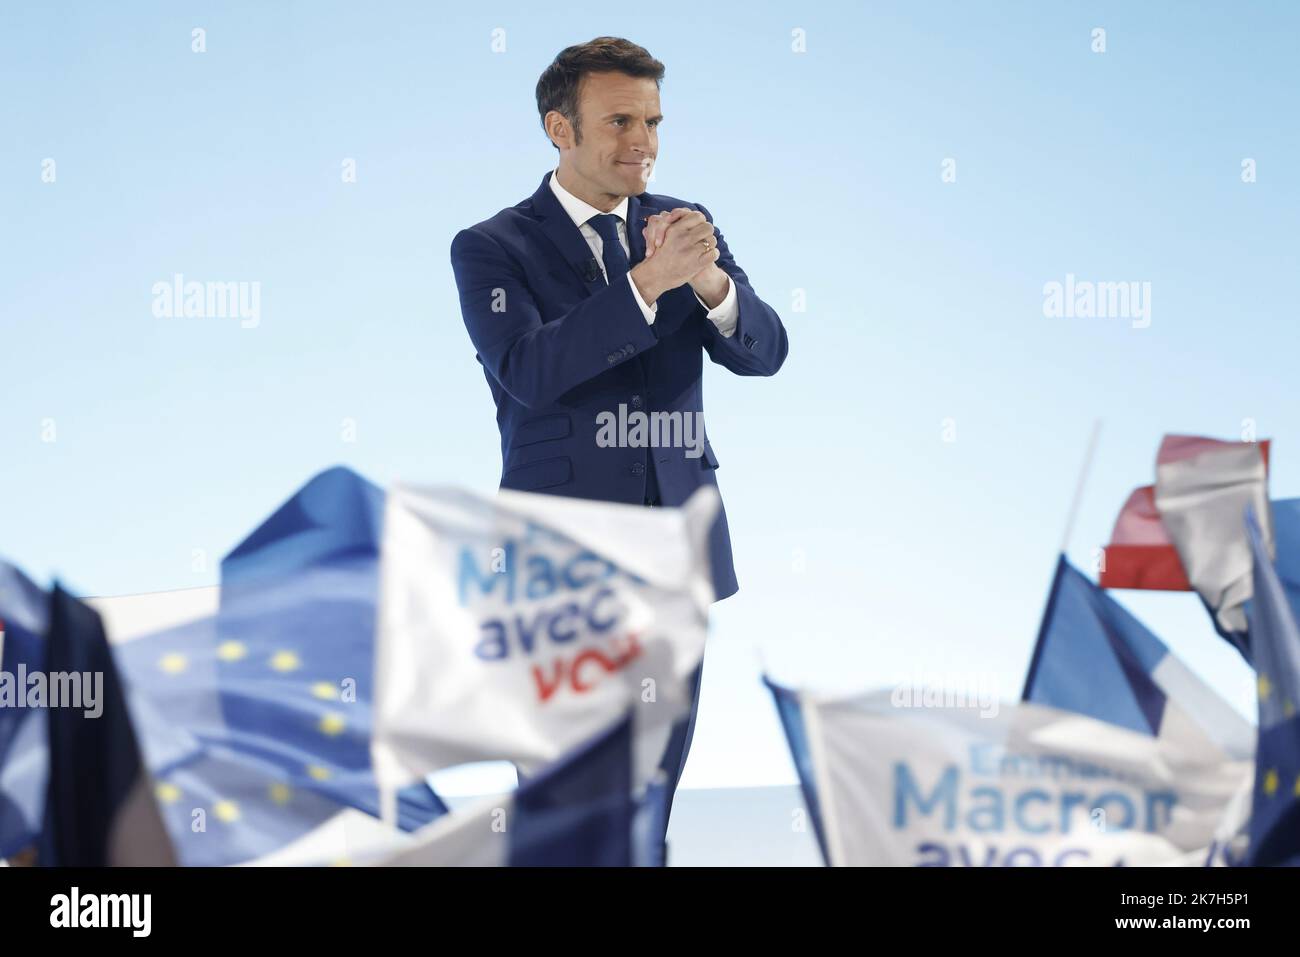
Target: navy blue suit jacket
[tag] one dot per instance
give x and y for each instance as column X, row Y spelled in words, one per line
column 559, row 348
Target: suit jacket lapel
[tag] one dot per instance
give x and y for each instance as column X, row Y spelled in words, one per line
column 567, row 238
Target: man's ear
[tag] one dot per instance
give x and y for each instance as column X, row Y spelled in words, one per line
column 557, row 127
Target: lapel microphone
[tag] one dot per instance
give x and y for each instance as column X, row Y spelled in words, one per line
column 591, row 270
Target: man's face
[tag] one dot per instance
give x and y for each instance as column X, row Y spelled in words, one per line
column 620, row 138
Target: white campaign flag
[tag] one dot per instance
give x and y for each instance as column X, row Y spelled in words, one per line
column 1027, row 786
column 515, row 626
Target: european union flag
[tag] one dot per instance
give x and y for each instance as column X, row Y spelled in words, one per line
column 275, row 688
column 1275, row 640
column 1286, row 544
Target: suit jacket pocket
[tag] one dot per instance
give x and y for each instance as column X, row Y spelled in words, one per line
column 542, row 429
column 544, row 473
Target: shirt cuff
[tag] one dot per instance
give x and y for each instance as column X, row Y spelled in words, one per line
column 647, row 311
column 726, row 314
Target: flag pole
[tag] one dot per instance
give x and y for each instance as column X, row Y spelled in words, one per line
column 1052, row 591
column 1078, row 488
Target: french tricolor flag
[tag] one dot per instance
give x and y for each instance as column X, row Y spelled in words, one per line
column 1186, row 532
column 1140, row 553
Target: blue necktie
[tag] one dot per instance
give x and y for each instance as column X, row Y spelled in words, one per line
column 616, row 263
column 616, row 267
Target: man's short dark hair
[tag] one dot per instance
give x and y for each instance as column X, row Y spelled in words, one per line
column 558, row 87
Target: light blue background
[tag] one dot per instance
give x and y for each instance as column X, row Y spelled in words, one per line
column 868, row 549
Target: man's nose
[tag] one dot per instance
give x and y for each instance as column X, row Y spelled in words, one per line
column 641, row 142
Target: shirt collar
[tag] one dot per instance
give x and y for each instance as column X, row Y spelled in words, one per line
column 580, row 210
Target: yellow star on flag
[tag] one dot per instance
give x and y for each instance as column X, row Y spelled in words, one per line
column 1270, row 782
column 285, row 661
column 332, row 724
column 167, row 792
column 1264, row 686
column 173, row 663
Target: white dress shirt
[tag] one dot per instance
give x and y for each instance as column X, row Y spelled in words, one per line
column 725, row 315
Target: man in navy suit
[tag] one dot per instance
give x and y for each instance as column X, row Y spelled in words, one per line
column 593, row 298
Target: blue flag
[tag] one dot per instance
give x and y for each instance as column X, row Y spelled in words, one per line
column 1286, row 540
column 1275, row 640
column 578, row 811
column 1093, row 657
column 275, row 687
column 99, row 806
column 790, row 712
column 24, row 609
